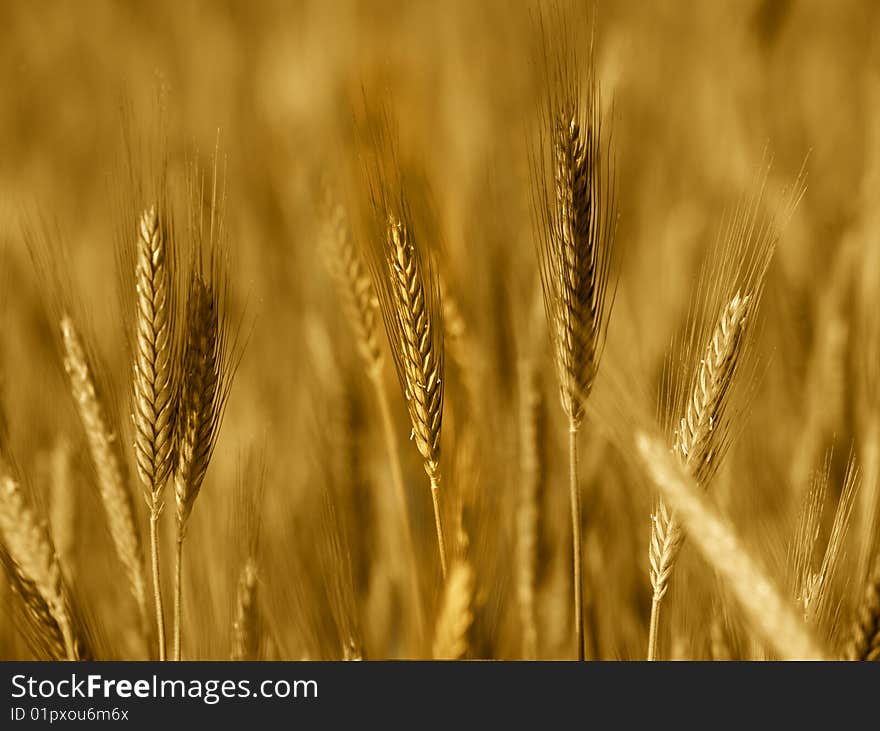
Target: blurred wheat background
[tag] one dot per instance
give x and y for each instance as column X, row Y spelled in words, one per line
column 297, row 547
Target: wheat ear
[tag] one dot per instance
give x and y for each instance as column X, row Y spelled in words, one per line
column 362, row 310
column 245, row 639
column 409, row 296
column 421, row 364
column 201, row 407
column 456, row 613
column 36, row 568
column 698, row 444
column 575, row 219
column 153, row 383
column 104, row 447
column 208, row 358
column 769, row 613
column 528, row 508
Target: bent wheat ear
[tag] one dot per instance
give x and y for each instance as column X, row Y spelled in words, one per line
column 696, row 408
column 700, row 439
column 769, row 614
column 408, row 287
column 108, row 461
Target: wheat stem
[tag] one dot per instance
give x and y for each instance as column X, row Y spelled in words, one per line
column 652, row 630
column 178, row 572
column 576, row 546
column 157, row 584
column 438, row 521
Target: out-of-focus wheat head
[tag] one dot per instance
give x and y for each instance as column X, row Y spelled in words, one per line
column 33, row 566
column 108, row 460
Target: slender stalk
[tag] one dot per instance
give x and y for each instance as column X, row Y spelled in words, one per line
column 69, row 644
column 399, row 493
column 652, row 631
column 438, row 521
column 157, row 584
column 178, row 571
column 577, row 569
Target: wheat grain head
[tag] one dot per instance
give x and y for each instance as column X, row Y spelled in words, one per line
column 107, row 458
column 574, row 209
column 34, row 571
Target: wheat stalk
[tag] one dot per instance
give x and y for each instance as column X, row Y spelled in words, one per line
column 109, row 464
column 153, row 383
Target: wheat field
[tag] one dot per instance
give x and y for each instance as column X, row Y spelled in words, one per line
column 365, row 329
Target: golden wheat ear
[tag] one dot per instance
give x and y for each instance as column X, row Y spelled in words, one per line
column 247, row 621
column 108, row 460
column 344, row 260
column 155, row 374
column 456, row 613
column 209, row 355
column 574, row 213
column 31, row 563
column 408, row 289
column 699, row 407
column 93, row 397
